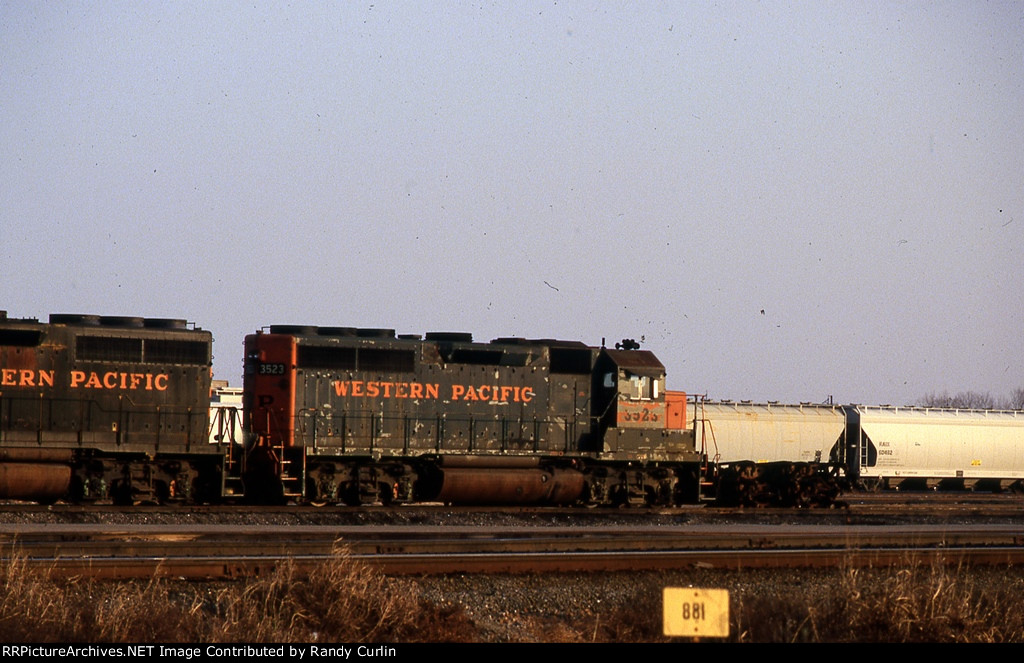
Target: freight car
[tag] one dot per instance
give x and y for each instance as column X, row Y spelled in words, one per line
column 772, row 454
column 804, row 454
column 363, row 415
column 929, row 448
column 112, row 408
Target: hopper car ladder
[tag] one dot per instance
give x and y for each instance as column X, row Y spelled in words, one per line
column 709, row 463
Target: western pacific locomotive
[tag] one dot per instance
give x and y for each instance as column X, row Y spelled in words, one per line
column 363, row 415
column 105, row 408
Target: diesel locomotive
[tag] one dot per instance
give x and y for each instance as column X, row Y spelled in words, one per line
column 365, row 415
column 97, row 407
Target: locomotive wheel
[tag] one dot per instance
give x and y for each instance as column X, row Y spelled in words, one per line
column 386, row 494
column 349, row 494
column 121, row 493
column 687, row 489
column 313, row 496
column 618, row 496
column 162, row 492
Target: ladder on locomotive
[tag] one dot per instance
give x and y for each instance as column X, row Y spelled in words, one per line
column 291, row 466
column 287, row 466
column 292, row 471
column 709, row 465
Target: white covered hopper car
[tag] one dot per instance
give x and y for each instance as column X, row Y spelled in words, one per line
column 913, row 447
column 867, row 446
column 767, row 432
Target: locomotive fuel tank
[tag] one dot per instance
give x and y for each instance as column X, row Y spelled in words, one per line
column 508, row 480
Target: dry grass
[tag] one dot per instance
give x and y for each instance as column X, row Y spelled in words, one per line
column 348, row 602
column 342, row 601
column 915, row 603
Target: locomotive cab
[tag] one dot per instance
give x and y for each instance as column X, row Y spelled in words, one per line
column 635, row 413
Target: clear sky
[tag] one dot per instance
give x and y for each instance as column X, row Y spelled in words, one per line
column 786, row 200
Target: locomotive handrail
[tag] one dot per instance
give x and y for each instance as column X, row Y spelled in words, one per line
column 226, row 420
column 309, row 425
column 86, row 420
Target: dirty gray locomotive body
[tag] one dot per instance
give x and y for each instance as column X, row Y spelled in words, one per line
column 111, row 408
column 364, row 416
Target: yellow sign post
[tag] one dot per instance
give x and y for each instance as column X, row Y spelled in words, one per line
column 690, row 612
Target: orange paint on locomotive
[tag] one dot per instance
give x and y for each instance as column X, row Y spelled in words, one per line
column 21, row 377
column 421, row 390
column 114, row 380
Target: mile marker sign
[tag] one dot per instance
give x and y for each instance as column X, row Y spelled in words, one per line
column 690, row 612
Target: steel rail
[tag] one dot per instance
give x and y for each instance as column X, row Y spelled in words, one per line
column 233, row 567
column 213, row 552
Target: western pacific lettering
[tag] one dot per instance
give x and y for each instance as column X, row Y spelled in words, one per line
column 421, row 390
column 19, row 377
column 123, row 381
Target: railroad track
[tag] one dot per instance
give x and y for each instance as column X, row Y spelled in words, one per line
column 223, row 552
column 891, row 504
